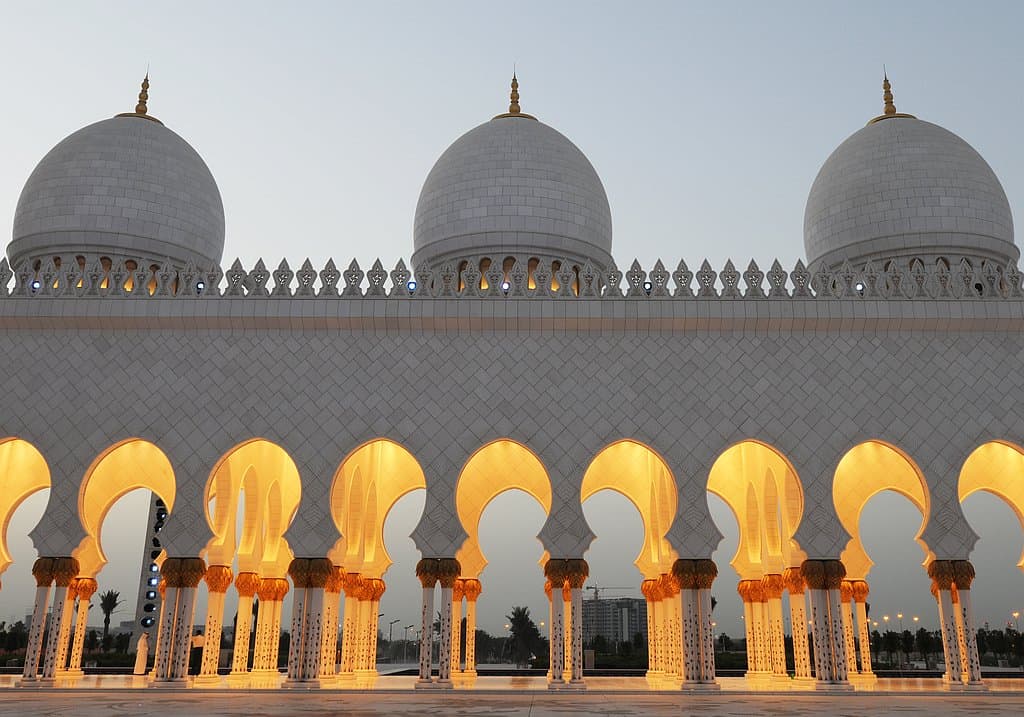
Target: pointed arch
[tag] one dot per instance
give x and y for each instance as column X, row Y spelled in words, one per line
column 996, row 467
column 639, row 473
column 864, row 471
column 263, row 478
column 366, row 486
column 499, row 466
column 126, row 466
column 766, row 496
column 23, row 471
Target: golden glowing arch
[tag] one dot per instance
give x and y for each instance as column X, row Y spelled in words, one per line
column 637, row 472
column 866, row 470
column 764, row 493
column 122, row 468
column 998, row 468
column 495, row 468
column 23, row 471
column 368, row 483
column 261, row 475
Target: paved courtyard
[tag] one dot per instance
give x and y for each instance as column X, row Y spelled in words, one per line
column 512, row 704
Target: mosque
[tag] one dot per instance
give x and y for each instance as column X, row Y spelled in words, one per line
column 512, row 352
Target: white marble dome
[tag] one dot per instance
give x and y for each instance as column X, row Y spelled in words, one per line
column 125, row 187
column 902, row 188
column 512, row 186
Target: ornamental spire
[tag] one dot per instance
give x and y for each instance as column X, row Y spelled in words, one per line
column 513, row 107
column 890, row 108
column 140, row 109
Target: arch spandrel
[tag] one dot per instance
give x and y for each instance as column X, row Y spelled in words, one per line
column 23, row 471
column 499, row 466
column 766, row 497
column 996, row 467
column 864, row 471
column 129, row 465
column 637, row 472
column 367, row 484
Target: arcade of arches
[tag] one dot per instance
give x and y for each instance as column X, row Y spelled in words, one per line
column 254, row 491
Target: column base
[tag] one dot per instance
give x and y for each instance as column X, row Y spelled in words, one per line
column 576, row 686
column 422, row 684
column 978, row 686
column 758, row 680
column 802, row 683
column 206, row 680
column 864, row 680
column 556, row 684
column 238, row 678
column 73, row 673
column 694, row 686
column 291, row 684
column 444, row 684
column 30, row 683
column 170, row 684
column 822, row 686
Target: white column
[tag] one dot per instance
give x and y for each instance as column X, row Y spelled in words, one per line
column 312, row 639
column 274, row 634
column 864, row 635
column 426, row 634
column 85, row 587
column 748, row 633
column 691, row 638
column 165, row 633
column 35, row 633
column 457, row 594
column 471, row 635
column 835, row 610
column 577, row 634
column 557, row 640
column 184, row 618
column 798, row 625
column 846, row 596
column 246, row 584
column 970, row 635
column 773, row 586
column 60, row 629
column 262, row 661
column 820, row 635
column 218, row 579
column 961, row 637
column 371, row 648
column 760, row 609
column 707, row 629
column 567, row 642
column 444, row 658
column 349, row 636
column 329, row 639
column 295, row 643
column 950, row 638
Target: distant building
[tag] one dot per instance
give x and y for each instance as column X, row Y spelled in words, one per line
column 616, row 620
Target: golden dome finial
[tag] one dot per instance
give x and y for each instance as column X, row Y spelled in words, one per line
column 890, row 106
column 513, row 107
column 140, row 109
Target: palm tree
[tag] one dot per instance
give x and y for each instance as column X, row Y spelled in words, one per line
column 109, row 601
column 525, row 635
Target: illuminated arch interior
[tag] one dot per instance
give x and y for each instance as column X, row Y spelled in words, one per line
column 766, row 497
column 23, row 471
column 997, row 468
column 367, row 485
column 125, row 467
column 866, row 470
column 638, row 473
column 497, row 467
column 262, row 477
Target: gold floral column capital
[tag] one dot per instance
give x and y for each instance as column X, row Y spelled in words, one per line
column 247, row 584
column 218, row 578
column 65, row 570
column 448, row 571
column 649, row 589
column 772, row 585
column 86, row 588
column 860, row 590
column 942, row 572
column 963, row 574
column 794, row 579
column 375, row 588
column 685, row 572
column 473, row 588
column 846, row 591
column 428, row 571
column 298, row 570
column 459, row 590
column 577, row 572
column 336, row 581
column 320, row 571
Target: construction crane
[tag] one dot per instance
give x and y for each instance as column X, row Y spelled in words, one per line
column 598, row 588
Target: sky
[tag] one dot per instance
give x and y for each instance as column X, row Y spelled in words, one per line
column 706, row 122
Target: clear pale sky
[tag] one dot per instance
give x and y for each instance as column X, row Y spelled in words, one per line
column 707, row 123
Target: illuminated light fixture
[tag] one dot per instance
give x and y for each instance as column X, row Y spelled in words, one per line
column 153, row 581
column 411, row 286
column 648, row 286
column 859, row 286
column 505, row 286
column 151, row 594
column 200, row 285
column 35, row 285
column 147, row 622
column 154, row 568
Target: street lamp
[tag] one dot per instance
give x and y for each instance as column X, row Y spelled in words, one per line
column 1016, row 617
column 899, row 615
column 405, row 648
column 391, row 626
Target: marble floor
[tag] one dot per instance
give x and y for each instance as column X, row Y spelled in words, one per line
column 96, row 702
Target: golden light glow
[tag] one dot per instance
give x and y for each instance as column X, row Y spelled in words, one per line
column 865, row 471
column 23, row 471
column 262, row 476
column 766, row 497
column 497, row 467
column 122, row 468
column 996, row 467
column 637, row 472
column 366, row 486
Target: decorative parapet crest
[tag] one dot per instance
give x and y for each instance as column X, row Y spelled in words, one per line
column 561, row 280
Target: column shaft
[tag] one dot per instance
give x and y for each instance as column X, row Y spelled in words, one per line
column 577, row 634
column 427, row 634
column 865, row 638
column 849, row 644
column 243, row 628
column 444, row 658
column 81, row 627
column 970, row 637
column 184, row 618
column 798, row 625
column 60, row 628
column 557, row 640
column 214, row 626
column 471, row 636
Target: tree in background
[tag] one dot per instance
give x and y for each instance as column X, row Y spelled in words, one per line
column 525, row 636
column 109, row 601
